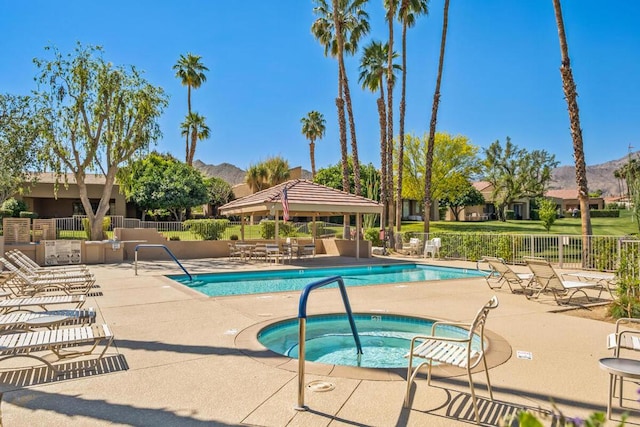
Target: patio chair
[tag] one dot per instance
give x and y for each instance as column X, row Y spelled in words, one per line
column 18, row 321
column 234, row 252
column 549, row 281
column 39, row 272
column 57, row 341
column 308, row 249
column 627, row 340
column 502, row 274
column 22, row 284
column 273, row 252
column 464, row 352
column 18, row 256
column 413, row 248
column 42, row 302
column 432, row 247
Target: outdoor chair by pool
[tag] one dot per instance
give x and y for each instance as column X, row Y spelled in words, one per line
column 42, row 273
column 273, row 252
column 501, row 273
column 432, row 247
column 413, row 248
column 550, row 282
column 20, row 258
column 22, row 284
column 465, row 352
column 57, row 341
column 26, row 304
column 19, row 321
column 624, row 340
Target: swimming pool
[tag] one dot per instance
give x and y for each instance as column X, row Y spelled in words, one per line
column 385, row 339
column 256, row 282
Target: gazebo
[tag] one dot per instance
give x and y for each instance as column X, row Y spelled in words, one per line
column 304, row 198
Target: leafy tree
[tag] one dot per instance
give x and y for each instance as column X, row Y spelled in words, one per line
column 220, row 192
column 96, row 116
column 571, row 96
column 19, row 143
column 457, row 164
column 547, row 209
column 159, row 181
column 313, row 127
column 515, row 173
column 369, row 176
column 339, row 29
column 457, row 199
column 190, row 71
column 428, row 176
column 273, row 171
column 194, row 127
column 407, row 13
column 14, row 206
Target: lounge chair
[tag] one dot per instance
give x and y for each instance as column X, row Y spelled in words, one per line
column 460, row 352
column 57, row 341
column 19, row 321
column 25, row 304
column 549, row 281
column 40, row 272
column 22, row 284
column 432, row 247
column 502, row 274
column 19, row 257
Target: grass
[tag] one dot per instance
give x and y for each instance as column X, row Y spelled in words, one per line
column 622, row 226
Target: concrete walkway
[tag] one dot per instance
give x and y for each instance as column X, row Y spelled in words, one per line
column 181, row 358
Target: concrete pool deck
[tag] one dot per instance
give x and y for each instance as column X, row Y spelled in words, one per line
column 175, row 359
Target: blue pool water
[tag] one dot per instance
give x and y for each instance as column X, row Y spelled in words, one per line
column 385, row 339
column 256, row 282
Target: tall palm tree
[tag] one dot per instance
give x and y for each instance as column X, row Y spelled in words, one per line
column 190, row 71
column 407, row 14
column 434, row 120
column 194, row 127
column 313, row 127
column 339, row 29
column 571, row 95
column 391, row 7
column 277, row 170
column 256, row 177
column 373, row 67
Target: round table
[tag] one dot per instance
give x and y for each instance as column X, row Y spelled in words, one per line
column 46, row 321
column 619, row 367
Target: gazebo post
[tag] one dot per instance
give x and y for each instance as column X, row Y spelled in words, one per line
column 277, row 237
column 358, row 225
column 242, row 227
column 313, row 228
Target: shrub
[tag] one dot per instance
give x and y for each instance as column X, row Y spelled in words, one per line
column 607, row 213
column 14, row 206
column 373, row 234
column 509, row 214
column 5, row 213
column 233, row 237
column 268, row 229
column 174, row 238
column 106, row 224
column 27, row 214
column 207, row 229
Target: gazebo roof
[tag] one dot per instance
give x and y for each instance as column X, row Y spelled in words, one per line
column 305, row 198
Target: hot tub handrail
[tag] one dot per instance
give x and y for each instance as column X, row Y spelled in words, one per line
column 302, row 320
column 150, row 245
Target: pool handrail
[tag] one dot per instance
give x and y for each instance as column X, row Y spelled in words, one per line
column 151, row 245
column 302, row 321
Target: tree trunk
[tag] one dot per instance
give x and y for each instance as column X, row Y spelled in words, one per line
column 434, row 119
column 312, row 154
column 383, row 157
column 571, row 95
column 352, row 128
column 390, row 195
column 401, row 128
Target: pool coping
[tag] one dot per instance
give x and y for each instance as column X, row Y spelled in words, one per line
column 246, row 341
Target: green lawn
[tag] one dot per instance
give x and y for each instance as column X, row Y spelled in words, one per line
column 624, row 225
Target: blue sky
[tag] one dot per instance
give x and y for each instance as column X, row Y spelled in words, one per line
column 267, row 71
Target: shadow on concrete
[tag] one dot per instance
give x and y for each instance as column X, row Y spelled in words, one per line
column 76, row 406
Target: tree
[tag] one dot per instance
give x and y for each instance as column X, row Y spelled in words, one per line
column 190, row 71
column 369, row 175
column 457, row 164
column 313, row 127
column 547, row 209
column 515, row 173
column 194, row 127
column 390, row 6
column 372, row 75
column 159, row 181
column 571, row 95
column 434, row 119
column 407, row 14
column 95, row 116
column 220, row 192
column 266, row 174
column 19, row 143
column 339, row 29
column 457, row 199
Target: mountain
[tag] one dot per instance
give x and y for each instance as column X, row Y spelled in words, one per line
column 230, row 173
column 599, row 177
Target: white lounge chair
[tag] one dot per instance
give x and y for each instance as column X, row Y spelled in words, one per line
column 22, row 284
column 549, row 281
column 21, row 321
column 42, row 302
column 20, row 258
column 57, row 341
column 459, row 352
column 502, row 274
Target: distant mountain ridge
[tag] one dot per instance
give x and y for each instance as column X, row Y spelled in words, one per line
column 599, row 177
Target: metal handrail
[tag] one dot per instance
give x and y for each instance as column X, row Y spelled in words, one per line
column 302, row 322
column 149, row 245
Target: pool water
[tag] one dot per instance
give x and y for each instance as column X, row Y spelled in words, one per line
column 385, row 339
column 255, row 282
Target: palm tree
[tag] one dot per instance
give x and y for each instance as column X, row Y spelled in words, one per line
column 313, row 127
column 194, row 127
column 407, row 14
column 390, row 6
column 277, row 170
column 256, row 177
column 571, row 96
column 372, row 74
column 190, row 71
column 339, row 29
column 434, row 119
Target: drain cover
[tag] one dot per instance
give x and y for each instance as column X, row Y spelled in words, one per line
column 320, row 386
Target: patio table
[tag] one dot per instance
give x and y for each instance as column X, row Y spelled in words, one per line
column 619, row 367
